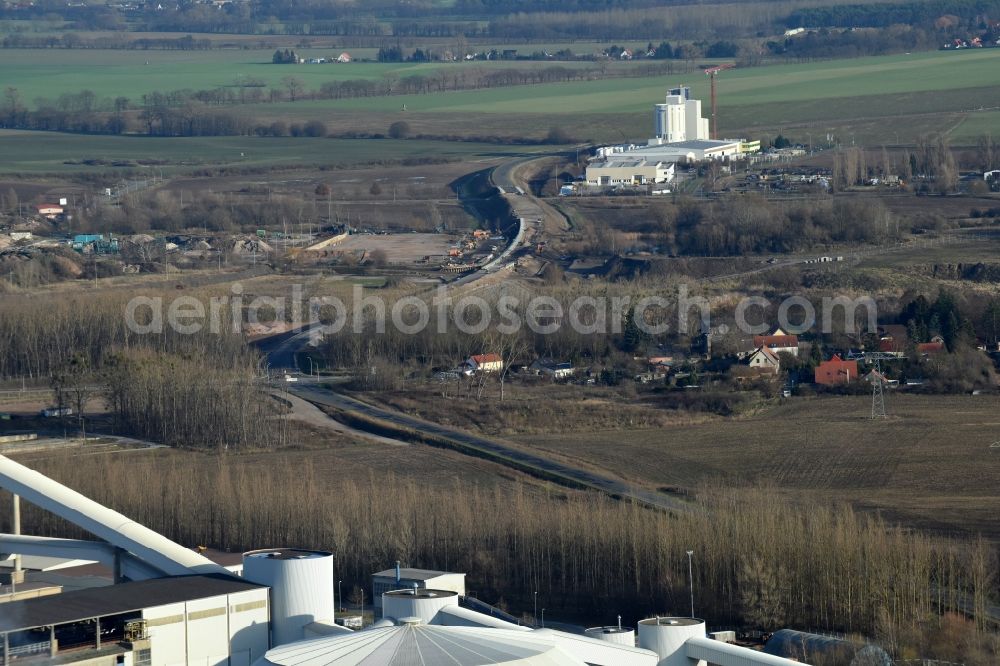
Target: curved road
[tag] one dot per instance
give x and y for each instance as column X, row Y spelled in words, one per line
column 281, row 351
column 574, row 475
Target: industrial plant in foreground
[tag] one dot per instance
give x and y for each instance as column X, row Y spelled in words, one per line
column 171, row 605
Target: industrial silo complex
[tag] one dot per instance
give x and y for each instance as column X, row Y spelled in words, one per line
column 170, row 605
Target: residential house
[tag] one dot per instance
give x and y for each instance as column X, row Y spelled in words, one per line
column 778, row 341
column 546, row 366
column 893, row 339
column 484, row 363
column 874, row 375
column 935, row 346
column 764, row 361
column 49, row 211
column 836, row 371
column 344, row 57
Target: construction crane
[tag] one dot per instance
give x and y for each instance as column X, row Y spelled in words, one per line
column 711, row 72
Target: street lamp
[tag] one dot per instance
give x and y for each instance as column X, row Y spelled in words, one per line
column 340, row 595
column 535, row 616
column 543, row 618
column 691, row 581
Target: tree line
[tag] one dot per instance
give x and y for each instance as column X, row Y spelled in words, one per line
column 200, row 390
column 882, row 15
column 760, row 561
column 74, row 40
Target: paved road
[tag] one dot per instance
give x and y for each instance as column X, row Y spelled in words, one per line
column 281, row 349
column 322, row 396
column 307, row 412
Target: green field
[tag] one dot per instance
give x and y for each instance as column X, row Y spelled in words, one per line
column 874, row 101
column 39, row 73
column 49, row 152
column 792, row 84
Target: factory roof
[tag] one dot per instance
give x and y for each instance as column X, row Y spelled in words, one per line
column 414, row 574
column 423, row 644
column 673, row 621
column 626, row 161
column 114, row 599
column 423, row 593
column 694, row 144
column 286, row 554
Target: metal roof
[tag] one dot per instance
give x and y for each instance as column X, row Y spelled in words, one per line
column 114, row 599
column 414, row 574
column 699, row 144
column 423, row 645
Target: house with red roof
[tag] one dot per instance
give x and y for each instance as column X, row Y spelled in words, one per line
column 484, row 363
column 778, row 341
column 836, row 371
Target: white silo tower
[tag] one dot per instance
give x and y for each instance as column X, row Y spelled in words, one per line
column 422, row 603
column 617, row 635
column 301, row 583
column 666, row 637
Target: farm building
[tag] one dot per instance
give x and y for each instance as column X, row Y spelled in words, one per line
column 628, row 170
column 836, row 371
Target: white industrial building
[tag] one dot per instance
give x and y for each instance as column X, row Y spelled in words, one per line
column 679, row 119
column 629, row 170
column 681, row 136
column 407, row 578
column 179, row 608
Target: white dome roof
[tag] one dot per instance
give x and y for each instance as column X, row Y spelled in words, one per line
column 422, row 645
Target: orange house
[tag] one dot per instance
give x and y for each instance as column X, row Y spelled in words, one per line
column 836, row 371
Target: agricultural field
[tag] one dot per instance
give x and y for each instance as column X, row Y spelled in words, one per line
column 48, row 152
column 850, row 98
column 932, row 464
column 41, row 73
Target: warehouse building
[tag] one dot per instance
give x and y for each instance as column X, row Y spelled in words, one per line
column 174, row 620
column 629, row 170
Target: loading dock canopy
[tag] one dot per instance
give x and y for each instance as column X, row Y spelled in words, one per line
column 114, row 599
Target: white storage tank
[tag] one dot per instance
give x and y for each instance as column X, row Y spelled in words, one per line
column 420, row 603
column 301, row 583
column 618, row 635
column 666, row 637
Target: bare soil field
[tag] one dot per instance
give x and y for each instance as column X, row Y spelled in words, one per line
column 930, row 465
column 400, row 248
